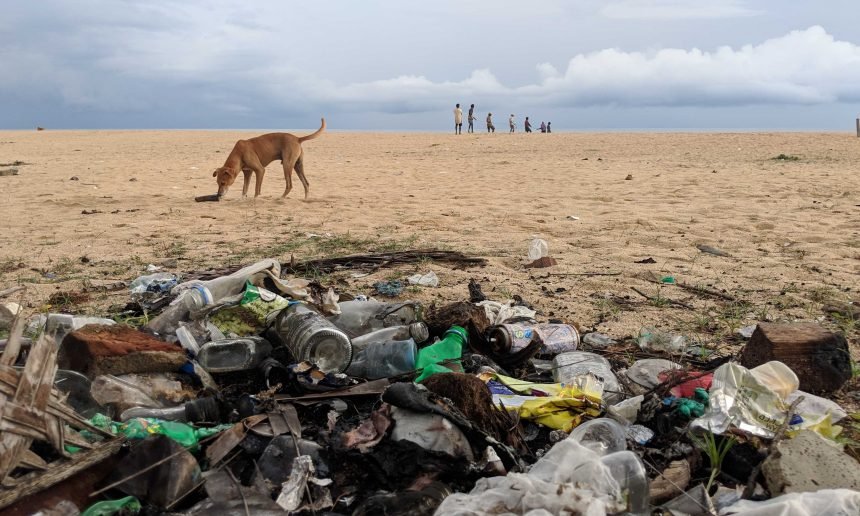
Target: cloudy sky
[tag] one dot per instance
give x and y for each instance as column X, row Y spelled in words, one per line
column 402, row 65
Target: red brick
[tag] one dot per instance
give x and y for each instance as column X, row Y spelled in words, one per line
column 98, row 349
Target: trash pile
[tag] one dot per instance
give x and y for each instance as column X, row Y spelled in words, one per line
column 256, row 393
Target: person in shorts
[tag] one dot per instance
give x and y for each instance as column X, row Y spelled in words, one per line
column 458, row 120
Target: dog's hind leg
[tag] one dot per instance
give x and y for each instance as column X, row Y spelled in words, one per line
column 300, row 171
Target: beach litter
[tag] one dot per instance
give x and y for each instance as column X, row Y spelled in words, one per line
column 255, row 390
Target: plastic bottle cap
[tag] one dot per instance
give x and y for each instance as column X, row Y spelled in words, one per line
column 205, row 294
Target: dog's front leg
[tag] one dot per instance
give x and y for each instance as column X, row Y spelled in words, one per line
column 259, row 178
column 247, row 172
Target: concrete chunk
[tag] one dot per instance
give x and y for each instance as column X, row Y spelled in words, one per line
column 818, row 357
column 808, row 463
column 99, row 349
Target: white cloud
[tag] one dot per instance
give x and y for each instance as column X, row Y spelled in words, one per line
column 676, row 9
column 802, row 67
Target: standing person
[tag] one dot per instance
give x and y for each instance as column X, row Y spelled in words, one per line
column 458, row 120
column 542, row 127
column 528, row 125
column 471, row 119
column 548, row 128
column 490, row 127
column 512, row 123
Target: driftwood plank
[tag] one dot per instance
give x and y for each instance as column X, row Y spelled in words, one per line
column 57, row 472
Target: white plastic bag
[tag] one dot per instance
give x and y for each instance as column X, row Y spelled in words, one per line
column 739, row 399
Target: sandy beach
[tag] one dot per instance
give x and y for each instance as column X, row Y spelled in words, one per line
column 602, row 201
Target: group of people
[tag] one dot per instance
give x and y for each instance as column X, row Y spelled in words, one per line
column 491, row 128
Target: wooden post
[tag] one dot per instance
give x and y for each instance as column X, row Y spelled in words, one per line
column 858, row 127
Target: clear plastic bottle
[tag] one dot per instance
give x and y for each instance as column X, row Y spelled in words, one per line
column 385, row 358
column 416, row 331
column 203, row 409
column 577, row 363
column 310, row 337
column 627, row 469
column 60, row 325
column 361, row 317
column 186, row 305
column 227, row 355
column 603, row 435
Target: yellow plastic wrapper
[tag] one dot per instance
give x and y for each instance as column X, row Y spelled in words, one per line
column 557, row 406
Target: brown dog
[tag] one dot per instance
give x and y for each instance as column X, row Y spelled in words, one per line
column 252, row 156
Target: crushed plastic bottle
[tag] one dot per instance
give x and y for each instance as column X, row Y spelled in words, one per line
column 598, row 340
column 651, row 339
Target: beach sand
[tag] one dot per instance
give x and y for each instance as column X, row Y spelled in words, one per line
column 791, row 228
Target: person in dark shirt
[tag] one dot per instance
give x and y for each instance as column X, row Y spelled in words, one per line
column 528, row 125
column 471, row 119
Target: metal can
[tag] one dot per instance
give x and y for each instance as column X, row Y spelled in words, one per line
column 514, row 337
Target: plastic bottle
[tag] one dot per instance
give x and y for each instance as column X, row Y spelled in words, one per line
column 627, row 469
column 203, row 409
column 187, row 340
column 120, row 395
column 61, row 325
column 597, row 340
column 228, row 355
column 274, row 372
column 576, row 363
column 186, row 305
column 416, row 331
column 310, row 337
column 449, row 348
column 603, row 435
column 383, row 359
column 651, row 339
column 361, row 317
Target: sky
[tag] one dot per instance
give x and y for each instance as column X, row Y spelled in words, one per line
column 402, row 65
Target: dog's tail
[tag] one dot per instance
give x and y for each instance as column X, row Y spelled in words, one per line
column 314, row 135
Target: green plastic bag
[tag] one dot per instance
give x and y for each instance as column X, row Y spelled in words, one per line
column 182, row 433
column 451, row 347
column 129, row 504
